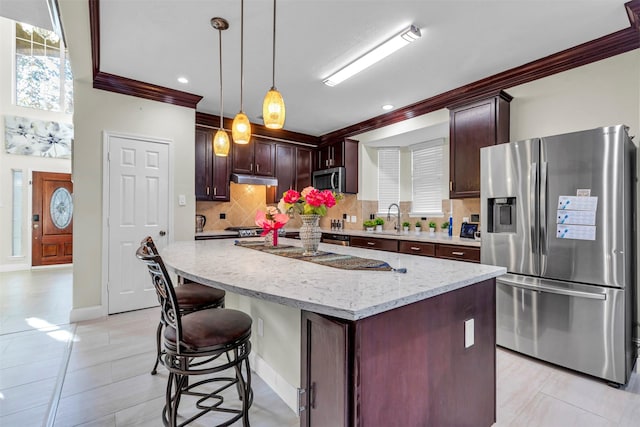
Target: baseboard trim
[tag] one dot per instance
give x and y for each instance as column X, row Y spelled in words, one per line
column 87, row 313
column 286, row 392
column 14, row 267
column 51, row 267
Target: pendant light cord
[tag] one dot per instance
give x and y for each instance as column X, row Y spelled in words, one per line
column 220, row 46
column 273, row 70
column 241, row 53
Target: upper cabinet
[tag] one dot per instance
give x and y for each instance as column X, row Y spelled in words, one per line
column 255, row 158
column 211, row 172
column 292, row 168
column 340, row 153
column 471, row 127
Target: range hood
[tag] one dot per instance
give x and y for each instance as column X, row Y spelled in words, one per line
column 240, row 178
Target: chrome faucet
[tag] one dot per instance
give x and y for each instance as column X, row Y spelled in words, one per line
column 397, row 224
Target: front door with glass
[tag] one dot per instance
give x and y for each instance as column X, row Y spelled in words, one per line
column 52, row 219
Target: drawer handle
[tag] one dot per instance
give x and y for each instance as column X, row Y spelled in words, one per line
column 415, row 248
column 371, row 243
column 457, row 253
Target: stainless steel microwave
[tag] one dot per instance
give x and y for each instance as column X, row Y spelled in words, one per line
column 330, row 179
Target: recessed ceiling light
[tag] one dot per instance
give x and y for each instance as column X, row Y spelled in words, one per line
column 183, row 80
column 387, row 107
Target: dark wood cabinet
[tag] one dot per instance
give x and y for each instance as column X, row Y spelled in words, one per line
column 390, row 245
column 471, row 127
column 325, row 371
column 340, row 153
column 404, row 367
column 211, row 172
column 255, row 158
column 292, row 168
column 417, row 248
column 459, row 253
column 304, row 161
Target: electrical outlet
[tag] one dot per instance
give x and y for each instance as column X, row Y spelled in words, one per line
column 344, row 216
column 465, row 219
column 260, row 327
column 223, row 215
column 469, row 333
column 353, row 219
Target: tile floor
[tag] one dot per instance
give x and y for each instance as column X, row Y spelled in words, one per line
column 96, row 373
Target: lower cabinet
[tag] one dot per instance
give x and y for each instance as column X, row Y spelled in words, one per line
column 390, row 245
column 405, row 367
column 417, row 248
column 460, row 253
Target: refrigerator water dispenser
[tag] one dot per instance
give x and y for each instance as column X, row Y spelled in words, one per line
column 502, row 215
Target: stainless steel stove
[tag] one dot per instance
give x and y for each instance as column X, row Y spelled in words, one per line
column 246, row 231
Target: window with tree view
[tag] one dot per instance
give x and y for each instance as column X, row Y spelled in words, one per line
column 43, row 72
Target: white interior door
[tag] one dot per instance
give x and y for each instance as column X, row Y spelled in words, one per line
column 138, row 176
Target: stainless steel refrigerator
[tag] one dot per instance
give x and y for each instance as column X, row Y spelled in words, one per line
column 559, row 213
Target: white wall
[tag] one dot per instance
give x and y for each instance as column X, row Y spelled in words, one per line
column 10, row 162
column 95, row 112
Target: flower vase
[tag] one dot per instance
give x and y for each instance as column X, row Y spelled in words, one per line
column 310, row 234
column 271, row 238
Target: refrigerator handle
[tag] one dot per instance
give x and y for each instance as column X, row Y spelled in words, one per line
column 543, row 211
column 532, row 202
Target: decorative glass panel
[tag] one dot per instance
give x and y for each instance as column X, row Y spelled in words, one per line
column 61, row 208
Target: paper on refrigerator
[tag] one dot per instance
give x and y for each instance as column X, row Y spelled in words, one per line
column 576, row 217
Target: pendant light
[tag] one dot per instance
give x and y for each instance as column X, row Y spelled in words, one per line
column 220, row 139
column 273, row 110
column 241, row 129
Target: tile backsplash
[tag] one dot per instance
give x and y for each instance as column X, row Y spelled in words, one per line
column 246, row 200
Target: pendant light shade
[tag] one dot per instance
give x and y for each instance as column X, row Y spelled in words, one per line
column 241, row 129
column 221, row 143
column 220, row 139
column 273, row 110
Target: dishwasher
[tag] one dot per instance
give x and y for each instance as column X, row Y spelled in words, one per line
column 335, row 239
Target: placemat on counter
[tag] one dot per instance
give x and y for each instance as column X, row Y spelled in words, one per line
column 330, row 259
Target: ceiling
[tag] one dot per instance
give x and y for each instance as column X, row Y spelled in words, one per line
column 157, row 41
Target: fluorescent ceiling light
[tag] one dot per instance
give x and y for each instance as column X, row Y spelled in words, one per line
column 385, row 49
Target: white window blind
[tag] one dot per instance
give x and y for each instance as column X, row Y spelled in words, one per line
column 388, row 177
column 426, row 166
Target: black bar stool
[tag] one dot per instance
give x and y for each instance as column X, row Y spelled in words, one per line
column 194, row 344
column 191, row 297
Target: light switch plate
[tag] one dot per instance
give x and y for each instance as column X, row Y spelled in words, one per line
column 469, row 337
column 182, row 200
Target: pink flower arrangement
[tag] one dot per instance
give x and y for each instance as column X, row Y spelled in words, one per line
column 308, row 202
column 271, row 220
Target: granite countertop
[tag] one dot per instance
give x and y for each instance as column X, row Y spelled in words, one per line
column 411, row 236
column 347, row 294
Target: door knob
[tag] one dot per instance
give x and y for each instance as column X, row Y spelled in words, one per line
column 162, row 233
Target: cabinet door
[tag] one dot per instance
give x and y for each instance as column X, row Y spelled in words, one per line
column 285, row 169
column 221, row 175
column 304, row 158
column 325, row 371
column 390, row 245
column 203, row 164
column 264, row 159
column 243, row 158
column 322, row 158
column 460, row 253
column 472, row 127
column 336, row 155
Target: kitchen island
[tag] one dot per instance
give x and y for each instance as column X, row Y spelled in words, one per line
column 378, row 347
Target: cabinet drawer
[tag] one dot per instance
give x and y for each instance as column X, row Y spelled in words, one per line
column 462, row 253
column 417, row 248
column 374, row 243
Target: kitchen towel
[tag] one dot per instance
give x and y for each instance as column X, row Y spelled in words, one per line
column 345, row 262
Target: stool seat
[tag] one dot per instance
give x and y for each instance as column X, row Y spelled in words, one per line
column 209, row 329
column 193, row 296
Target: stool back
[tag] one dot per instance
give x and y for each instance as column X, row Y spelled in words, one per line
column 170, row 311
